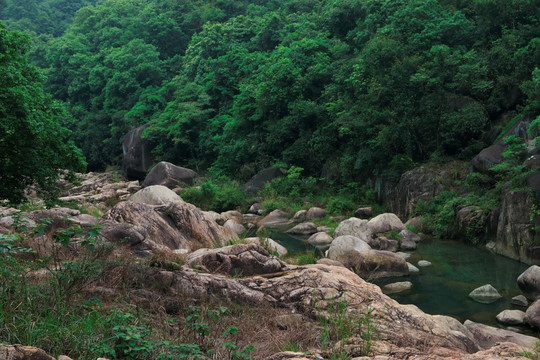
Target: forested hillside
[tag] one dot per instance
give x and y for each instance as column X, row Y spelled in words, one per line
column 346, row 89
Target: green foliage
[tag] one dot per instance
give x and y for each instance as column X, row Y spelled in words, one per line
column 512, row 168
column 340, row 205
column 305, row 258
column 218, row 196
column 34, row 147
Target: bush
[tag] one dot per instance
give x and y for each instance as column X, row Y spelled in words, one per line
column 223, row 196
column 340, row 205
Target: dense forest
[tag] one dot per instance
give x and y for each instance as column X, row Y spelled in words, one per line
column 345, row 89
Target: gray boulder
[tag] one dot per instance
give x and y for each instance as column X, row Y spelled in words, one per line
column 315, row 213
column 485, row 294
column 321, row 240
column 529, row 282
column 519, row 300
column 169, row 175
column 137, row 157
column 306, row 228
column 299, row 216
column 511, row 317
column 354, row 227
column 375, row 264
column 384, row 223
column 155, row 195
column 234, row 226
column 487, row 336
column 276, row 219
column 343, row 245
column 397, row 287
column 412, row 268
column 232, row 215
column 364, row 212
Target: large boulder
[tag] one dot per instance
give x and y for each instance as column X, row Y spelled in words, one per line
column 257, row 182
column 384, row 223
column 236, row 260
column 354, row 227
column 529, row 282
column 155, row 195
column 137, row 157
column 169, row 175
column 177, row 225
column 343, row 245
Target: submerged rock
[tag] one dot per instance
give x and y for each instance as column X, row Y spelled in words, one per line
column 485, row 294
column 424, row 263
column 397, row 287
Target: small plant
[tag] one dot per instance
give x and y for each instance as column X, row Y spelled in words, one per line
column 339, row 326
column 305, row 258
column 394, row 235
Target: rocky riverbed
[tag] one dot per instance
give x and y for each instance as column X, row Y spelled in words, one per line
column 156, row 219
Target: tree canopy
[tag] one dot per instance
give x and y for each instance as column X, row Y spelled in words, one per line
column 34, row 147
column 350, row 89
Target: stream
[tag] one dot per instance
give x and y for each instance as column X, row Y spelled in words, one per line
column 443, row 287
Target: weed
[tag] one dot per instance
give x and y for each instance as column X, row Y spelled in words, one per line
column 340, row 325
column 394, row 235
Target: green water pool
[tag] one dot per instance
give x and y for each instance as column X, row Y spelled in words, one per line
column 442, row 288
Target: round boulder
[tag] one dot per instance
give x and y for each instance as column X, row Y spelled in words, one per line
column 520, row 300
column 343, row 245
column 320, row 240
column 532, row 315
column 511, row 317
column 315, row 213
column 485, row 294
column 384, row 223
column 529, row 282
column 155, row 195
column 364, row 212
column 299, row 216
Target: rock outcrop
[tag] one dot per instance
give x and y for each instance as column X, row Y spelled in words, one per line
column 174, row 226
column 137, row 157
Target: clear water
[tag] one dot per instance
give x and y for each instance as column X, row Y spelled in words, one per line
column 443, row 287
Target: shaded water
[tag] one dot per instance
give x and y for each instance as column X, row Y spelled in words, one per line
column 443, row 287
column 456, row 270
